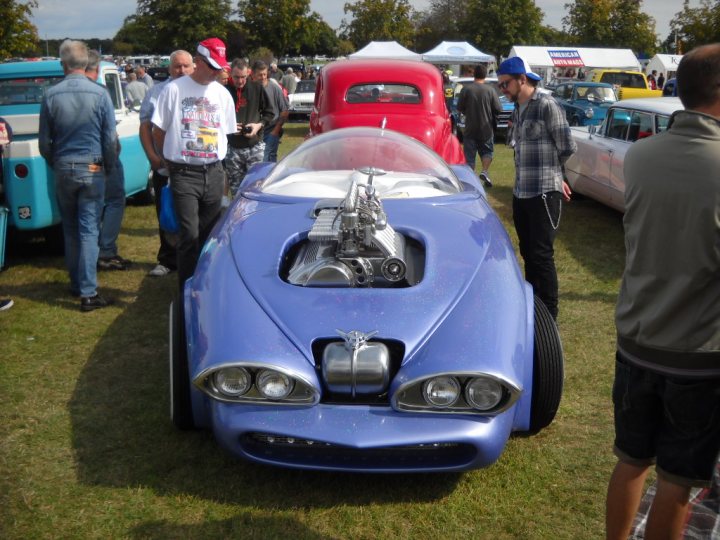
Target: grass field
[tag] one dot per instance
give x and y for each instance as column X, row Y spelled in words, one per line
column 87, row 449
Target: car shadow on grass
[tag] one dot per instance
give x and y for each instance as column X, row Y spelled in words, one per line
column 246, row 526
column 123, row 437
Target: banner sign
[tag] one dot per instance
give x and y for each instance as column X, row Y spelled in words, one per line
column 566, row 58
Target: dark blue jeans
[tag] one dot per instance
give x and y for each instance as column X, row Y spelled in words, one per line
column 113, row 211
column 536, row 226
column 197, row 194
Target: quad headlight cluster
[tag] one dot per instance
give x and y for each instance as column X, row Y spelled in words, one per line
column 256, row 384
column 457, row 393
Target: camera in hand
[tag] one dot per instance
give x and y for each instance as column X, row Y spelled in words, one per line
column 246, row 129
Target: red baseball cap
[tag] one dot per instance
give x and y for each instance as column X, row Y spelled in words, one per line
column 213, row 50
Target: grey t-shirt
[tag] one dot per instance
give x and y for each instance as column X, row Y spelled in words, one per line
column 481, row 106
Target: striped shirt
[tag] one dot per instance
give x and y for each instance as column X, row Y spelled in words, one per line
column 543, row 143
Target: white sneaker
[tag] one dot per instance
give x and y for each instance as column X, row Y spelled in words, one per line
column 159, row 271
column 6, row 303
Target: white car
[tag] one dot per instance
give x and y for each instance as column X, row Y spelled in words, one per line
column 301, row 101
column 596, row 169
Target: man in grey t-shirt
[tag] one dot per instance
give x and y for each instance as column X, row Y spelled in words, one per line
column 481, row 106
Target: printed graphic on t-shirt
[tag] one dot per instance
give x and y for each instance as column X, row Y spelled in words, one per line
column 201, row 121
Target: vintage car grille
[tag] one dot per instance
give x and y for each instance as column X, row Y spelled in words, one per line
column 397, row 353
column 313, row 453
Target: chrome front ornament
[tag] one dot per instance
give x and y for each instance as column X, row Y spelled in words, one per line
column 356, row 366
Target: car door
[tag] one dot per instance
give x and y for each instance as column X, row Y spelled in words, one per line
column 135, row 164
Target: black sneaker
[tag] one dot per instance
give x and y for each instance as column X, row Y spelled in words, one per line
column 90, row 303
column 113, row 263
column 486, row 180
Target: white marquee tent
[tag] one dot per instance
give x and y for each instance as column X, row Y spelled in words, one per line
column 385, row 49
column 456, row 52
column 664, row 63
column 544, row 60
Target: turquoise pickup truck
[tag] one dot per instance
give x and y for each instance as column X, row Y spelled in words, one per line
column 28, row 187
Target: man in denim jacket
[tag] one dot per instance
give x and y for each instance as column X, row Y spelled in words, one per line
column 78, row 140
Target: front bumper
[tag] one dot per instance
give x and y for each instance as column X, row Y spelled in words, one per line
column 359, row 438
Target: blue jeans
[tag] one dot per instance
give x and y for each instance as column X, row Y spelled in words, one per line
column 272, row 143
column 80, row 194
column 113, row 212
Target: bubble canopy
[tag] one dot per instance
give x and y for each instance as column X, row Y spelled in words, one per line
column 325, row 166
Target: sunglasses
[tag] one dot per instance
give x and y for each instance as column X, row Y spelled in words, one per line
column 503, row 85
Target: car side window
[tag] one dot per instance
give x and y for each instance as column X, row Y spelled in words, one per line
column 617, row 125
column 641, row 126
column 661, row 123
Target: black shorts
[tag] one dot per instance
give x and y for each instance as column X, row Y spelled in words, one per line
column 671, row 421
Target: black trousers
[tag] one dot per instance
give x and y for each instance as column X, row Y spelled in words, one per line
column 197, row 193
column 167, row 254
column 536, row 220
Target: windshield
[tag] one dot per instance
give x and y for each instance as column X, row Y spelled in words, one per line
column 305, row 87
column 25, row 90
column 324, row 165
column 595, row 93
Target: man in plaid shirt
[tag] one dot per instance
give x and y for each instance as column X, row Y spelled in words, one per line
column 542, row 141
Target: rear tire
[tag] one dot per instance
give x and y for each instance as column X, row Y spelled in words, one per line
column 547, row 369
column 180, row 401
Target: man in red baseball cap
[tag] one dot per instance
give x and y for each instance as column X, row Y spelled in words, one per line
column 212, row 51
column 191, row 122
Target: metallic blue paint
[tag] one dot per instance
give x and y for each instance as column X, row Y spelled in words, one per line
column 472, row 312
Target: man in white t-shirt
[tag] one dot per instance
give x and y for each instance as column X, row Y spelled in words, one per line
column 191, row 122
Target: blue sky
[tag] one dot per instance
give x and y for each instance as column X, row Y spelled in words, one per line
column 92, row 18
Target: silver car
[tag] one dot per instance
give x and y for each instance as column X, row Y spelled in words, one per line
column 596, row 169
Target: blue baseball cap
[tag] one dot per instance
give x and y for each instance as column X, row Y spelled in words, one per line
column 517, row 66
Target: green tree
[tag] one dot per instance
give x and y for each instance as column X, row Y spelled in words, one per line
column 166, row 25
column 588, row 22
column 441, row 22
column 284, row 26
column 18, row 36
column 320, row 38
column 379, row 20
column 611, row 23
column 133, row 37
column 496, row 25
column 695, row 26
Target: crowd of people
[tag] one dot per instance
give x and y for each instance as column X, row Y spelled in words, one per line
column 238, row 110
column 202, row 130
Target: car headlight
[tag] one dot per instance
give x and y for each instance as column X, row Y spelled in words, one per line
column 457, row 393
column 273, row 384
column 441, row 391
column 483, row 394
column 589, row 113
column 251, row 382
column 232, row 381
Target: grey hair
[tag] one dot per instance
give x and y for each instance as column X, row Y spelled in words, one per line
column 74, row 54
column 93, row 60
column 177, row 53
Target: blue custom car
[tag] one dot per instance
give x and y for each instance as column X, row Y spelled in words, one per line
column 585, row 103
column 359, row 307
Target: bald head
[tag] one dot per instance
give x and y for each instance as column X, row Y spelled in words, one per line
column 698, row 78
